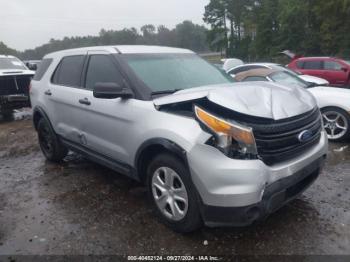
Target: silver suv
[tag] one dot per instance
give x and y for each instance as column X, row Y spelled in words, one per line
column 209, row 151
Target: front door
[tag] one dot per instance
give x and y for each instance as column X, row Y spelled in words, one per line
column 335, row 73
column 106, row 122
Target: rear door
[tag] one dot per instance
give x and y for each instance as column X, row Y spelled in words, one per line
column 334, row 73
column 62, row 97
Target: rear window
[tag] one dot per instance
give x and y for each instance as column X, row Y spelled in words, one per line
column 245, row 68
column 68, row 72
column 43, row 66
column 300, row 64
column 313, row 65
column 11, row 63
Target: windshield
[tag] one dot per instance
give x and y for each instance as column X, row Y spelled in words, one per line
column 11, row 63
column 166, row 72
column 279, row 67
column 287, row 78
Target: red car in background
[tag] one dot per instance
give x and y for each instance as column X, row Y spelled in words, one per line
column 336, row 71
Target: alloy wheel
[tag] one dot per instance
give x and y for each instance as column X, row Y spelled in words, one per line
column 335, row 124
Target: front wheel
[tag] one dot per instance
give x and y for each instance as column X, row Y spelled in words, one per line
column 172, row 194
column 336, row 123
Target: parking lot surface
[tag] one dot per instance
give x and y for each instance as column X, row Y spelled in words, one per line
column 78, row 207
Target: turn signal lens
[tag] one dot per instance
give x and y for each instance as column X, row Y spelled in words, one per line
column 219, row 126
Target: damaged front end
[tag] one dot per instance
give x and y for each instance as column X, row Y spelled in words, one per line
column 250, row 121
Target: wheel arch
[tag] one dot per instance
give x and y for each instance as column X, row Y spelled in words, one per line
column 39, row 113
column 149, row 149
column 334, row 107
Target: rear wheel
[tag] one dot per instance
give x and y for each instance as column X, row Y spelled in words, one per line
column 50, row 145
column 172, row 194
column 336, row 123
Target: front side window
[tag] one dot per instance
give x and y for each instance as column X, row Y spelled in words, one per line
column 101, row 69
column 11, row 63
column 286, row 78
column 313, row 65
column 333, row 66
column 164, row 72
column 69, row 71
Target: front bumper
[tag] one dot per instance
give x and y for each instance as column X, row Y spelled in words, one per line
column 238, row 192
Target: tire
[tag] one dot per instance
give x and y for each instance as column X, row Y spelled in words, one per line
column 187, row 217
column 50, row 145
column 336, row 122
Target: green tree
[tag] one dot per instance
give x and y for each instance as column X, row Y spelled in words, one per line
column 216, row 15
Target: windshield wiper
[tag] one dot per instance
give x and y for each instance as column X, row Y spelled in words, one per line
column 165, row 92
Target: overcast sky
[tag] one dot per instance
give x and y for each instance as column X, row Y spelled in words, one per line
column 26, row 24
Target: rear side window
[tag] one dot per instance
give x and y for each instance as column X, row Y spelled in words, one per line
column 69, row 71
column 101, row 69
column 43, row 66
column 313, row 65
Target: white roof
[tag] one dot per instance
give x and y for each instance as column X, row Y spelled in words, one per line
column 125, row 49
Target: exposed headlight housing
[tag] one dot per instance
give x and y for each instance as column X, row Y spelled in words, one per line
column 231, row 138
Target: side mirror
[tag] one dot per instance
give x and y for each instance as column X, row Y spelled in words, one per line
column 111, row 91
column 344, row 69
column 32, row 67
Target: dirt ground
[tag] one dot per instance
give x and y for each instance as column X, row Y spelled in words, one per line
column 78, row 207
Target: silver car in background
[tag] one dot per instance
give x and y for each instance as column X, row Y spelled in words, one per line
column 209, row 150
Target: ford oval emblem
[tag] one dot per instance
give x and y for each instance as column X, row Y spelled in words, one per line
column 305, row 136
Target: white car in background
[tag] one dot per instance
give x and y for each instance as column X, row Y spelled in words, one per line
column 15, row 78
column 245, row 67
column 333, row 102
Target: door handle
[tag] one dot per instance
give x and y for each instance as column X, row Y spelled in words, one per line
column 48, row 92
column 85, row 101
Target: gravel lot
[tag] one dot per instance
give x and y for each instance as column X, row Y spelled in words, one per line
column 79, row 207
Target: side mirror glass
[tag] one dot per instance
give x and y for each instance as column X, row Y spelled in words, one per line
column 111, row 91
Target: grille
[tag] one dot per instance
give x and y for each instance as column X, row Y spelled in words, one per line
column 8, row 85
column 279, row 141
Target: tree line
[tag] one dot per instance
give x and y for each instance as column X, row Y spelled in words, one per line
column 253, row 30
column 185, row 35
column 260, row 29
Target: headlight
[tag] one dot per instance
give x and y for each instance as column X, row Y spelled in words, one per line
column 231, row 138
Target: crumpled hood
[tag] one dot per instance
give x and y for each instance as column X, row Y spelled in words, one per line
column 11, row 72
column 260, row 99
